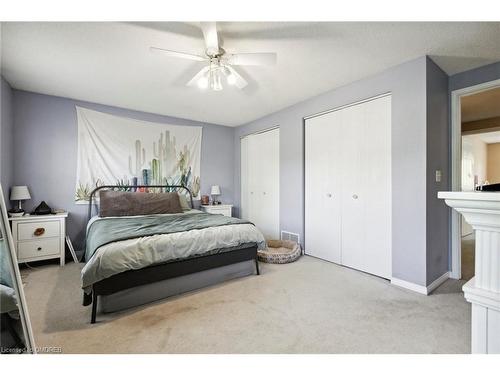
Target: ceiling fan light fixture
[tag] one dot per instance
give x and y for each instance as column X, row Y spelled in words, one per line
column 231, row 79
column 220, row 69
column 203, row 82
column 216, row 81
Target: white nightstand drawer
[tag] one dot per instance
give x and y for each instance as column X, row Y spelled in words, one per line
column 221, row 209
column 26, row 231
column 38, row 248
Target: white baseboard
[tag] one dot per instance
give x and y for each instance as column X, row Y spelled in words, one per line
column 420, row 288
column 441, row 279
column 410, row 286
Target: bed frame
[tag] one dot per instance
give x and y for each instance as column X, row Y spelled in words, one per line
column 164, row 271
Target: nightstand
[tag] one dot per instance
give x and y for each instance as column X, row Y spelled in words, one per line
column 39, row 237
column 218, row 209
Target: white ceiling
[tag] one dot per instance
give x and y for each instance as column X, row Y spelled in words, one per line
column 109, row 63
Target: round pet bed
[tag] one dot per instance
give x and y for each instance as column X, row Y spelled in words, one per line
column 280, row 252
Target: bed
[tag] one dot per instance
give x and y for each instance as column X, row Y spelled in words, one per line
column 136, row 259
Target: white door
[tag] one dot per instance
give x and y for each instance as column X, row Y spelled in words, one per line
column 353, row 199
column 348, row 186
column 366, row 203
column 322, row 187
column 260, row 181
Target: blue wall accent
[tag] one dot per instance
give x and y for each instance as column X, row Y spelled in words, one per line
column 45, row 152
column 6, row 139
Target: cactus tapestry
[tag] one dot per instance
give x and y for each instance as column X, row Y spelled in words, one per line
column 122, row 151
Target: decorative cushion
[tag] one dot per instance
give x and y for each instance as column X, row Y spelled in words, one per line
column 280, row 251
column 124, row 203
column 185, row 204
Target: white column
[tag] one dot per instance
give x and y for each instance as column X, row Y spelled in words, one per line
column 482, row 211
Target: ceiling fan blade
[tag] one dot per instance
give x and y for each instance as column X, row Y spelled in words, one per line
column 181, row 55
column 239, row 82
column 263, row 58
column 211, row 38
column 196, row 78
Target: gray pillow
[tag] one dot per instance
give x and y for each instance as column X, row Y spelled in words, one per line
column 183, row 200
column 122, row 203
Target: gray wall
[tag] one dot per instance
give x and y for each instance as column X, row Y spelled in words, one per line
column 45, row 152
column 475, row 76
column 438, row 148
column 407, row 83
column 6, row 139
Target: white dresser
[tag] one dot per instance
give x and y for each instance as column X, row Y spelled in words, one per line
column 39, row 237
column 220, row 209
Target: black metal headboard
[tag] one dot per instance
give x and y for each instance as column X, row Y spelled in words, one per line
column 133, row 188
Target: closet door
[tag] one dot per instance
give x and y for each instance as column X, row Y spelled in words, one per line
column 366, row 197
column 322, row 187
column 244, row 178
column 270, row 184
column 378, row 192
column 260, row 181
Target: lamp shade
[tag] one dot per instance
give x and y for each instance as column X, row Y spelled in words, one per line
column 18, row 193
column 215, row 190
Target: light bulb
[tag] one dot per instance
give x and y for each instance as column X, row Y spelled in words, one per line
column 216, row 81
column 231, row 79
column 203, row 83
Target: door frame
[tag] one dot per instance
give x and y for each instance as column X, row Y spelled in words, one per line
column 456, row 167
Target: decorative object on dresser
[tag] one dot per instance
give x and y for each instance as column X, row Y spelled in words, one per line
column 219, row 209
column 205, row 200
column 215, row 192
column 42, row 209
column 19, row 194
column 39, row 238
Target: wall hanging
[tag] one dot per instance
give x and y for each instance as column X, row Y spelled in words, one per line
column 115, row 150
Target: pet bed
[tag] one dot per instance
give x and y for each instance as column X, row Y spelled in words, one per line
column 280, row 252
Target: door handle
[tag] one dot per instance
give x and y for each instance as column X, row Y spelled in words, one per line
column 329, row 195
column 354, row 196
column 39, row 231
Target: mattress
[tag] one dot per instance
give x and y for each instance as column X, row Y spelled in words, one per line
column 137, row 251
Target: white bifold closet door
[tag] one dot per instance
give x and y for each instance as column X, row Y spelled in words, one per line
column 260, row 181
column 348, row 186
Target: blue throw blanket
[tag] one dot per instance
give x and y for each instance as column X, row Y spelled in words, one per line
column 106, row 230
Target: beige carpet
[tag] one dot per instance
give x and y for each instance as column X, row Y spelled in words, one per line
column 310, row 306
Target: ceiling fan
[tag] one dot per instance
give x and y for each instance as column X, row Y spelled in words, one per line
column 219, row 62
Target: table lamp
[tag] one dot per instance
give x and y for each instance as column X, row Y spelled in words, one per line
column 215, row 192
column 19, row 193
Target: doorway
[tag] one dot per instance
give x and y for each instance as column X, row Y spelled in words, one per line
column 475, row 161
